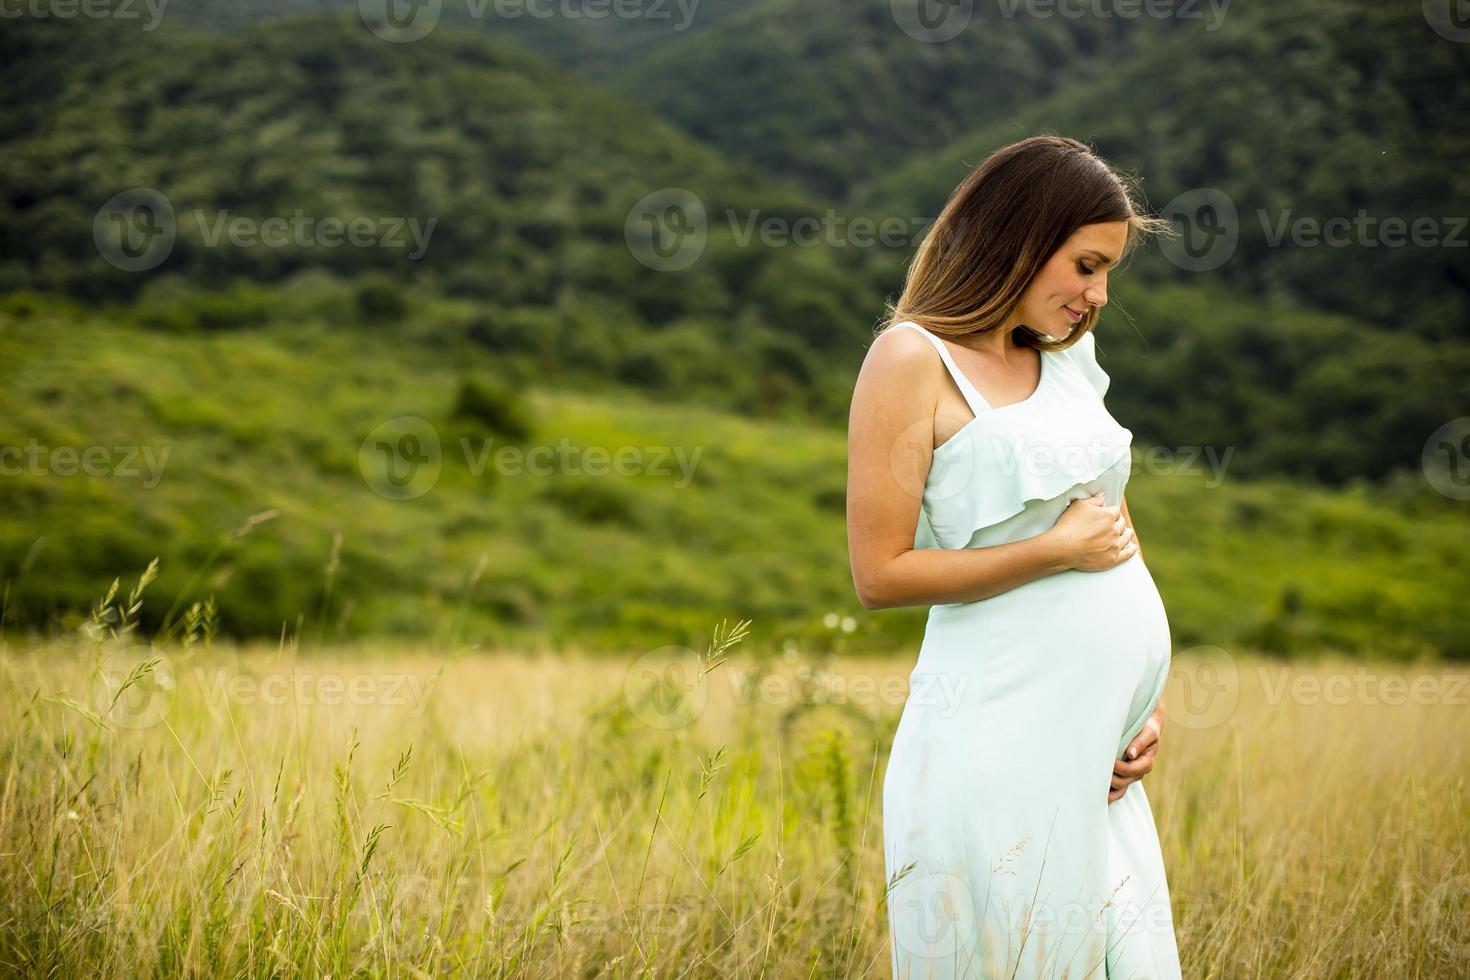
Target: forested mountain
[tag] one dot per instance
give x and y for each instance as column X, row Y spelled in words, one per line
column 1306, row 113
column 533, row 177
column 827, row 93
column 594, row 39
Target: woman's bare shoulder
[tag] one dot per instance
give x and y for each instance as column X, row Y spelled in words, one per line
column 901, row 350
column 900, row 373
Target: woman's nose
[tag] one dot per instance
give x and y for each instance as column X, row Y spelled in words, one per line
column 1096, row 295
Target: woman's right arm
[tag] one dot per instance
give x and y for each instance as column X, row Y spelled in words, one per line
column 890, row 443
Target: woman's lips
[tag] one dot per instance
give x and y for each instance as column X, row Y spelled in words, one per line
column 1073, row 314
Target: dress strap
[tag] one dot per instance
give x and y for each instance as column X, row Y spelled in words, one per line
column 967, row 391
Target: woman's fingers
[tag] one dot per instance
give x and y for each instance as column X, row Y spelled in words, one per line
column 1126, row 547
column 1138, row 760
column 1146, row 741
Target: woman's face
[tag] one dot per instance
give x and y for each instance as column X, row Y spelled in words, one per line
column 1074, row 278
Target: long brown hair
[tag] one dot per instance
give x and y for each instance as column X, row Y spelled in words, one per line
column 998, row 229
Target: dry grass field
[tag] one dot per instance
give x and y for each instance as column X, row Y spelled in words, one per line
column 211, row 810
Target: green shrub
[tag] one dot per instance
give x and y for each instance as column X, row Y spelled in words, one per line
column 380, row 301
column 495, row 407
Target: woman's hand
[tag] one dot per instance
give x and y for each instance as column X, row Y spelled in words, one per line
column 1138, row 760
column 1094, row 536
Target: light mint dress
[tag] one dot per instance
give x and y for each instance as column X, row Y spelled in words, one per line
column 996, row 790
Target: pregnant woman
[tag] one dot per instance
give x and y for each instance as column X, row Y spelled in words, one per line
column 986, row 482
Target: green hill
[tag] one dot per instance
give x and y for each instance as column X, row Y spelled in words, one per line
column 530, row 175
column 549, row 303
column 190, row 436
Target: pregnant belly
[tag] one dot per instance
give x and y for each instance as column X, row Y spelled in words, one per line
column 1088, row 650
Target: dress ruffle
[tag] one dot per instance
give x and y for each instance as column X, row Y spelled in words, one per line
column 1062, row 439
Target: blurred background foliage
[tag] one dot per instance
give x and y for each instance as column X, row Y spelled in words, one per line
column 528, row 319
